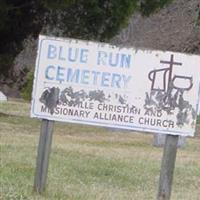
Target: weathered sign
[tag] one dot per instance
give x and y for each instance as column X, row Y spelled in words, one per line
column 99, row 84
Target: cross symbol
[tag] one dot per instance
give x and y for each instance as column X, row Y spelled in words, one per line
column 171, row 63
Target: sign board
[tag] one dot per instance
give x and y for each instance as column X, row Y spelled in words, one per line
column 99, row 84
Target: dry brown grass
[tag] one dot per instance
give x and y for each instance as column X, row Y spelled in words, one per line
column 89, row 163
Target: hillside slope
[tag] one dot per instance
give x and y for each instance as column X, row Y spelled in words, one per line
column 175, row 28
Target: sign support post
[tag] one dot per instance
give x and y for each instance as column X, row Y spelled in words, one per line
column 43, row 153
column 167, row 167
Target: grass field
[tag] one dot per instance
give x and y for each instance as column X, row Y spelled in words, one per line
column 89, row 163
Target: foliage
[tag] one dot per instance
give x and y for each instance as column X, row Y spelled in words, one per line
column 27, row 89
column 56, row 4
column 149, row 6
column 96, row 19
column 92, row 19
column 18, row 19
column 198, row 119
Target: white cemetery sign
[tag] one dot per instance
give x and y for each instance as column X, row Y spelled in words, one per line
column 99, row 84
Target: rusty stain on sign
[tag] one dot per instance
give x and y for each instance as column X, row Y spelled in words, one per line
column 52, row 97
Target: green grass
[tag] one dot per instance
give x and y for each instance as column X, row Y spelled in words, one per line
column 198, row 119
column 88, row 163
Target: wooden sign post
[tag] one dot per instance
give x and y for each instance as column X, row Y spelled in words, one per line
column 43, row 153
column 167, row 167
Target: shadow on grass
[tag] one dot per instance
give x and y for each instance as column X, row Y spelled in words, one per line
column 15, row 119
column 6, row 115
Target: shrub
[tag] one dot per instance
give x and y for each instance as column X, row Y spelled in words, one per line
column 26, row 91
